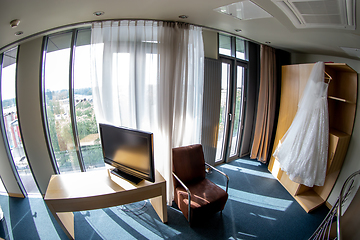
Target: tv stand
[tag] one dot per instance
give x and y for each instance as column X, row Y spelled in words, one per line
column 68, row 193
column 126, row 176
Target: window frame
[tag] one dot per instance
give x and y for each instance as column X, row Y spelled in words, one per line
column 234, row 63
column 71, row 90
column 3, row 129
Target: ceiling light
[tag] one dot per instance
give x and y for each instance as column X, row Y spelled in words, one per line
column 14, row 23
column 183, row 16
column 19, row 33
column 237, row 30
column 243, row 10
column 99, row 13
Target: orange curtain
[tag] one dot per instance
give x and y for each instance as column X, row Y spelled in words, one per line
column 266, row 105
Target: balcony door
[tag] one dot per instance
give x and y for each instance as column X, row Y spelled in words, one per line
column 231, row 110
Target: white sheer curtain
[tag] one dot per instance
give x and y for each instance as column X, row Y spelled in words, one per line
column 148, row 75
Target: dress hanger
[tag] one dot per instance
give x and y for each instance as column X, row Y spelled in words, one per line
column 327, row 77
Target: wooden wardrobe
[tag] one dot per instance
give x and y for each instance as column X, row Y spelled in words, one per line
column 342, row 96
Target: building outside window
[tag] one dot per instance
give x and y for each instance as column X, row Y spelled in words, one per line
column 11, row 124
column 71, row 124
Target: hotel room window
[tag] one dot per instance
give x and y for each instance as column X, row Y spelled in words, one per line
column 57, row 102
column 225, row 45
column 68, row 102
column 232, row 54
column 240, row 49
column 87, row 129
column 10, row 121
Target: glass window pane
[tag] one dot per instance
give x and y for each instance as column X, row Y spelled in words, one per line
column 56, row 85
column 240, row 49
column 225, row 45
column 84, row 108
column 225, row 75
column 8, row 98
column 237, row 114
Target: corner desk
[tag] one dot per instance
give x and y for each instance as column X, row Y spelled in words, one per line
column 67, row 193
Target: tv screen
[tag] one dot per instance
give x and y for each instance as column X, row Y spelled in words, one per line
column 130, row 151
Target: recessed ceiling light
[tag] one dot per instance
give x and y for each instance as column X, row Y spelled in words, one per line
column 183, row 16
column 14, row 23
column 237, row 30
column 19, row 33
column 99, row 13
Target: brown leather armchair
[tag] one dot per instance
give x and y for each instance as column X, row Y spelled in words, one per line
column 196, row 196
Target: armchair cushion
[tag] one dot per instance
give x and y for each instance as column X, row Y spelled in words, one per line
column 206, row 198
column 189, row 163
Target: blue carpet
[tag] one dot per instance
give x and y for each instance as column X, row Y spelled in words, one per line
column 258, row 208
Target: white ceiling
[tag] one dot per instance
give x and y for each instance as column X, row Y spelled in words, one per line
column 36, row 16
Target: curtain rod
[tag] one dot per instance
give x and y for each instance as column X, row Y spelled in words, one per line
column 82, row 24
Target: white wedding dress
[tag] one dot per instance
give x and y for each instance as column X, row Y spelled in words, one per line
column 303, row 150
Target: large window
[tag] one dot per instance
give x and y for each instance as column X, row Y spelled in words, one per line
column 232, row 47
column 232, row 52
column 11, row 124
column 87, row 130
column 68, row 106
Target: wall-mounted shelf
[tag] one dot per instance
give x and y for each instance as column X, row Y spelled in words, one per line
column 342, row 98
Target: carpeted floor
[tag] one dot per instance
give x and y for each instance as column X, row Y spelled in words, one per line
column 258, row 208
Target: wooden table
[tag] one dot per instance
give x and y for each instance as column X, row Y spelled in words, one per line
column 67, row 193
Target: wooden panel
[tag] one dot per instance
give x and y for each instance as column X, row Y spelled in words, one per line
column 309, row 200
column 289, row 100
column 304, row 73
column 333, row 143
column 340, row 151
column 288, row 103
column 324, row 191
column 302, row 189
column 67, row 218
column 99, row 189
column 338, row 144
column 341, row 116
column 344, row 86
column 342, row 97
column 294, row 79
column 342, row 67
column 290, row 186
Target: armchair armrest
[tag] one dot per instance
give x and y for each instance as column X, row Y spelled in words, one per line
column 188, row 192
column 217, row 170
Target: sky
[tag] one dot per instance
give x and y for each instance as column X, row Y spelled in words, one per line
column 56, row 72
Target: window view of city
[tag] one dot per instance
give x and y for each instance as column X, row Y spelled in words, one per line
column 11, row 124
column 58, row 108
column 59, row 123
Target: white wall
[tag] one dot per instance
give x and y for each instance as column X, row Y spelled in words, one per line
column 28, row 93
column 210, row 44
column 352, row 159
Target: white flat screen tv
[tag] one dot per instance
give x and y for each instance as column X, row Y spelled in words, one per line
column 130, row 151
